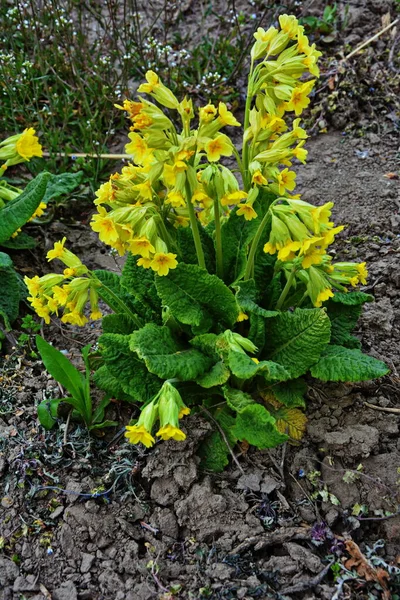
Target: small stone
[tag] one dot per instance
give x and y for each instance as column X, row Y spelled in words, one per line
column 57, row 512
column 87, row 562
column 66, row 591
column 8, row 570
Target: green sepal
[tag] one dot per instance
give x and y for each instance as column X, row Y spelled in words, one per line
column 345, row 364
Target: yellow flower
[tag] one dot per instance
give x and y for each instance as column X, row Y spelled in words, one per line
column 226, row 117
column 142, row 121
column 137, row 147
column 323, row 296
column 254, row 359
column 286, row 180
column 258, row 178
column 105, row 193
column 145, row 190
column 39, row 211
column 176, row 199
column 247, row 211
column 105, row 227
column 61, row 294
column 141, row 246
column 152, row 83
column 171, row 432
column 184, row 410
column 132, row 108
column 300, row 153
column 207, row 113
column 299, row 99
column 288, row 251
column 220, row 146
column 74, row 318
column 33, row 284
column 28, row 145
column 329, row 235
column 95, row 315
column 362, row 273
column 69, row 272
column 137, row 434
column 58, row 250
column 162, row 263
column 242, row 317
column 233, row 198
column 289, row 24
column 144, row 262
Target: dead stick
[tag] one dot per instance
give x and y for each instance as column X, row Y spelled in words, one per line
column 395, row 411
column 88, row 155
column 370, row 40
column 280, row 536
column 306, row 585
column 66, row 427
column 225, row 440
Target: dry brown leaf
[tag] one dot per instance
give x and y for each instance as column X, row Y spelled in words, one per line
column 392, row 175
column 364, row 568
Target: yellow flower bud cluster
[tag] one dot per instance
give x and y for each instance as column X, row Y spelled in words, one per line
column 300, row 235
column 70, row 291
column 20, row 148
column 167, row 407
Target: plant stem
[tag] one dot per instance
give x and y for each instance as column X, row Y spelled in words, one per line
column 254, row 245
column 245, row 148
column 218, row 240
column 195, row 227
column 118, row 302
column 286, row 289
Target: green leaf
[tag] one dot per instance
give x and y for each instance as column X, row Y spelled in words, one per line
column 140, row 283
column 23, row 241
column 236, row 235
column 118, row 323
column 125, row 365
column 236, row 399
column 246, row 296
column 165, row 356
column 9, row 290
column 18, row 211
column 196, row 298
column 218, row 375
column 296, row 340
column 343, row 319
column 112, row 281
column 63, row 371
column 345, row 364
column 257, row 331
column 206, row 343
column 103, row 425
column 47, row 412
column 244, row 367
column 291, row 393
column 110, row 384
column 61, row 184
column 255, row 425
column 184, row 238
column 214, row 453
column 352, row 298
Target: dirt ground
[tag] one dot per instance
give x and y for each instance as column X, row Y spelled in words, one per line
column 96, row 519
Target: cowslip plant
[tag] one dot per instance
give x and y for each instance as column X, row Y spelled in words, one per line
column 18, row 207
column 76, row 384
column 229, row 295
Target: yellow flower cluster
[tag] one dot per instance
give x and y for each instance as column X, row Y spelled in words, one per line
column 167, row 407
column 70, row 291
column 20, row 148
